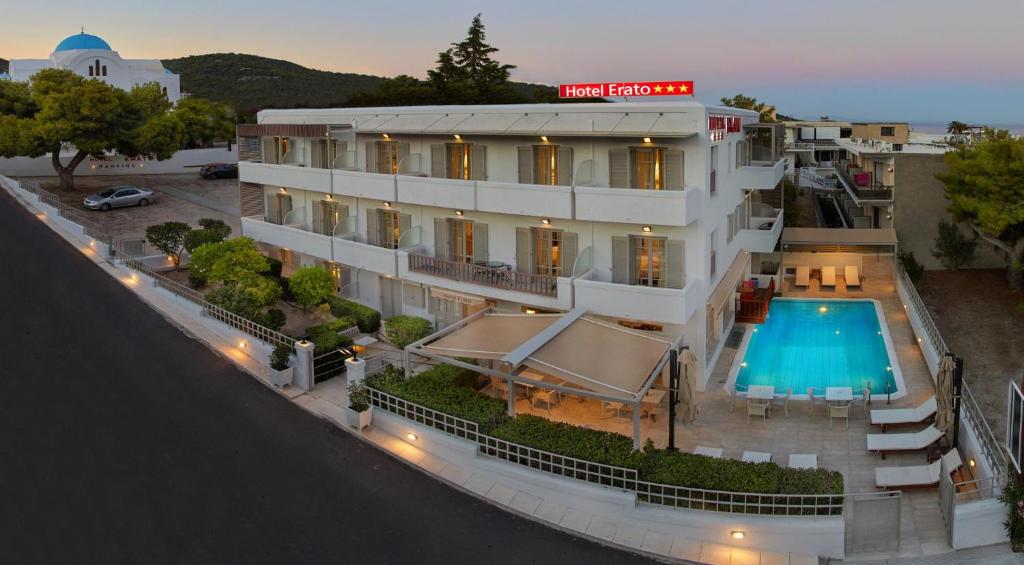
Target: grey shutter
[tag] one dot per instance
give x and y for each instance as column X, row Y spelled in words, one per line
column 403, row 152
column 273, row 212
column 675, row 259
column 404, row 225
column 478, row 161
column 731, row 231
column 674, row 169
column 479, row 242
column 285, row 205
column 438, row 161
column 565, row 166
column 524, row 250
column 526, row 164
column 570, row 248
column 372, row 237
column 318, row 216
column 620, row 259
column 618, row 167
column 371, row 156
column 441, row 238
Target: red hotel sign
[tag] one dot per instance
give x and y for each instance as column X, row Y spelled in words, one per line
column 600, row 89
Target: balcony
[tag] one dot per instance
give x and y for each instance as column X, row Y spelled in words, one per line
column 762, row 231
column 289, row 176
column 364, row 185
column 627, row 205
column 442, row 193
column 526, row 199
column 761, row 177
column 862, row 185
column 294, row 236
column 667, row 305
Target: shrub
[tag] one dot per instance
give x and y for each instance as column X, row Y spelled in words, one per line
column 444, row 388
column 275, row 267
column 914, row 269
column 169, row 238
column 327, row 337
column 403, row 330
column 358, row 397
column 195, row 280
column 248, row 297
column 366, row 318
column 217, row 227
column 275, row 319
column 311, row 286
column 196, row 238
column 286, row 289
column 952, row 248
column 566, row 439
column 229, row 261
column 280, row 357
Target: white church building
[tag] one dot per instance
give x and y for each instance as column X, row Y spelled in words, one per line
column 92, row 57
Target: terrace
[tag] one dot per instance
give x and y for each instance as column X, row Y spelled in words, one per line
column 862, row 184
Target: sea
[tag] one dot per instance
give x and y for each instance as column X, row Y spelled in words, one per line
column 939, row 128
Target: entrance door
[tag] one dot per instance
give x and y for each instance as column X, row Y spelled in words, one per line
column 390, row 297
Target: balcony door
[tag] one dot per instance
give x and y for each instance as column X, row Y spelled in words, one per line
column 385, row 227
column 460, row 240
column 546, row 164
column 327, row 214
column 546, row 251
column 648, row 261
column 645, row 168
column 278, row 206
column 385, row 157
column 462, row 161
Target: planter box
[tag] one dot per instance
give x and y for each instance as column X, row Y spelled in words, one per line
column 281, row 378
column 359, row 420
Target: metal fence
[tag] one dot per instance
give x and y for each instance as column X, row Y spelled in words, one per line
column 89, row 226
column 446, row 423
column 740, row 502
column 561, row 465
column 930, row 329
column 873, row 522
column 330, row 364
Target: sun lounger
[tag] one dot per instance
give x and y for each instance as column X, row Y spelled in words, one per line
column 883, row 443
column 803, row 276
column 828, row 276
column 715, row 452
column 756, row 457
column 917, row 475
column 803, row 460
column 852, row 276
column 894, row 416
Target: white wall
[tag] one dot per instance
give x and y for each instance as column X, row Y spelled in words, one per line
column 184, row 161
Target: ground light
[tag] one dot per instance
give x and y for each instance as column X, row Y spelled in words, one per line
column 737, row 534
column 241, row 345
column 411, row 436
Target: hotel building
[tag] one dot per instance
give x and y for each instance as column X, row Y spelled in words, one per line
column 648, row 215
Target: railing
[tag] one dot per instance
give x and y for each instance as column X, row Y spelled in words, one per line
column 800, row 145
column 446, row 423
column 740, row 502
column 561, row 465
column 90, row 227
column 545, row 285
column 977, row 489
column 754, row 310
column 330, row 364
column 930, row 328
column 816, row 180
column 872, row 191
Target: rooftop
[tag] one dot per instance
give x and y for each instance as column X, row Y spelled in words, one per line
column 82, row 41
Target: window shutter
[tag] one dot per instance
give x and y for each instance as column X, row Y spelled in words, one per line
column 372, row 221
column 732, row 227
column 318, row 216
column 404, row 225
column 285, row 205
column 526, row 164
column 479, row 242
column 675, row 261
column 524, row 250
column 438, row 162
column 674, row 169
column 441, row 237
column 273, row 213
column 569, row 250
column 371, row 156
column 620, row 259
column 478, row 161
column 403, row 152
column 618, row 167
column 739, row 153
column 565, row 166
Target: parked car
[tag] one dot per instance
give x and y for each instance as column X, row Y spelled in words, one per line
column 118, row 197
column 219, row 171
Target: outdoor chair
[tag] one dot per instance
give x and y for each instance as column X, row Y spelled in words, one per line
column 828, row 276
column 917, row 475
column 852, row 276
column 894, row 416
column 783, row 400
column 812, row 400
column 733, row 394
column 803, row 276
column 838, row 411
column 757, row 408
column 546, row 397
column 618, row 407
column 865, row 400
column 884, row 443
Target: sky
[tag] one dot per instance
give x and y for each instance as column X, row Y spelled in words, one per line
column 909, row 60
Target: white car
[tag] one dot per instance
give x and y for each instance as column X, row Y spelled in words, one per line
column 118, row 197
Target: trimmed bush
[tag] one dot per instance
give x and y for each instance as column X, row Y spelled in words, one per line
column 444, row 388
column 327, row 337
column 280, row 357
column 403, row 330
column 275, row 319
column 566, row 439
column 366, row 318
column 196, row 280
column 311, row 286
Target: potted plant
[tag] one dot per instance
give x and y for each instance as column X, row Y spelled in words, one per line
column 359, row 411
column 1013, row 498
column 280, row 369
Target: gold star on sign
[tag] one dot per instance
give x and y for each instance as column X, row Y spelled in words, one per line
column 682, row 88
column 671, row 88
column 657, row 88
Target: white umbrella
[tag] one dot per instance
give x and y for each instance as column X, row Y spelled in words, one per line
column 688, row 387
column 944, row 398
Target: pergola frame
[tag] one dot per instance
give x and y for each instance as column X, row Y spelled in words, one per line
column 514, row 362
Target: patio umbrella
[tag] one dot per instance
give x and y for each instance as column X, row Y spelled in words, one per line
column 944, row 396
column 688, row 387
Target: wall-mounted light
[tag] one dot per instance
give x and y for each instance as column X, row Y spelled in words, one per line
column 284, row 190
column 646, row 229
column 647, row 140
column 330, row 197
column 457, row 137
column 411, row 436
column 460, row 213
column 544, row 138
column 530, row 311
column 737, row 534
column 889, row 169
column 387, row 204
column 386, row 136
column 546, row 221
column 971, row 462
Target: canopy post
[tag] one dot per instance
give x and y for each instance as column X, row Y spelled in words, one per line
column 636, row 425
column 673, row 397
column 511, row 395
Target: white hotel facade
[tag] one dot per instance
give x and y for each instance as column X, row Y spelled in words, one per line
column 647, row 214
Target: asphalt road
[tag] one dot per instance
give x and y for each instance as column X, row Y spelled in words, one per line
column 124, row 441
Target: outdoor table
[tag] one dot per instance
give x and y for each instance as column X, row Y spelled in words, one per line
column 839, row 394
column 652, row 400
column 760, row 392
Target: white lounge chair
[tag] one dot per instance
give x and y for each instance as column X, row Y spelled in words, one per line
column 917, row 475
column 803, row 460
column 893, row 416
column 803, row 276
column 828, row 276
column 756, row 457
column 884, row 443
column 715, row 452
column 852, row 276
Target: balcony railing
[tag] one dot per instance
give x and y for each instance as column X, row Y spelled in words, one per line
column 505, row 279
column 872, row 190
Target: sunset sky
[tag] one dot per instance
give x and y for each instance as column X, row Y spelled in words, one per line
column 916, row 60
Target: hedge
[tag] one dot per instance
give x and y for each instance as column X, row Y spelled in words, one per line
column 597, row 446
column 403, row 330
column 444, row 388
column 326, row 336
column 366, row 318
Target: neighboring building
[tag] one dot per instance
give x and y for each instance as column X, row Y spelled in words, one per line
column 814, row 142
column 91, row 57
column 649, row 215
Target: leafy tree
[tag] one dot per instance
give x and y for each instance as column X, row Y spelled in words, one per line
column 914, row 269
column 229, row 261
column 952, row 248
column 204, row 122
column 403, row 330
column 197, row 238
column 957, row 131
column 219, row 227
column 766, row 111
column 247, row 297
column 311, row 286
column 985, row 188
column 63, row 109
column 169, row 238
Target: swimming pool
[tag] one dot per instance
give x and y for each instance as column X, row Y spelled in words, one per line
column 819, row 343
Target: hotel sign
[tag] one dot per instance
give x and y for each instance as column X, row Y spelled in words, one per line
column 601, row 89
column 719, row 125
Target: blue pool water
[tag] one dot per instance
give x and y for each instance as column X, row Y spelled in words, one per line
column 818, row 343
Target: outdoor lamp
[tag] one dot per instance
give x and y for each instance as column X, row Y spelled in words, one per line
column 459, row 213
column 386, row 136
column 546, row 221
column 411, row 436
column 544, row 138
column 971, row 462
column 458, row 137
column 387, row 204
column 647, row 140
column 647, row 229
column 737, row 534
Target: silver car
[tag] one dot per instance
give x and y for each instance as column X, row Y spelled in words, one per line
column 117, row 197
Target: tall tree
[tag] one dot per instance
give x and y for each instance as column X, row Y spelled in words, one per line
column 985, row 188
column 957, row 131
column 66, row 110
column 766, row 111
column 205, row 122
column 486, row 78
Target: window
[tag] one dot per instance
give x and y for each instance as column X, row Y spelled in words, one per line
column 729, row 233
column 545, row 164
column 278, row 206
column 461, row 238
column 460, row 166
column 648, row 168
column 547, row 249
column 327, row 214
column 897, row 147
column 385, row 227
column 385, row 157
column 648, row 261
column 91, row 70
column 648, row 258
column 104, row 70
column 714, row 169
column 462, row 161
column 548, row 164
column 713, row 244
column 888, row 131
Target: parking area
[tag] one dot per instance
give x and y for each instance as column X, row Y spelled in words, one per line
column 179, row 197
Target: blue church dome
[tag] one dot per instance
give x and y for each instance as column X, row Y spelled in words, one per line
column 82, row 41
